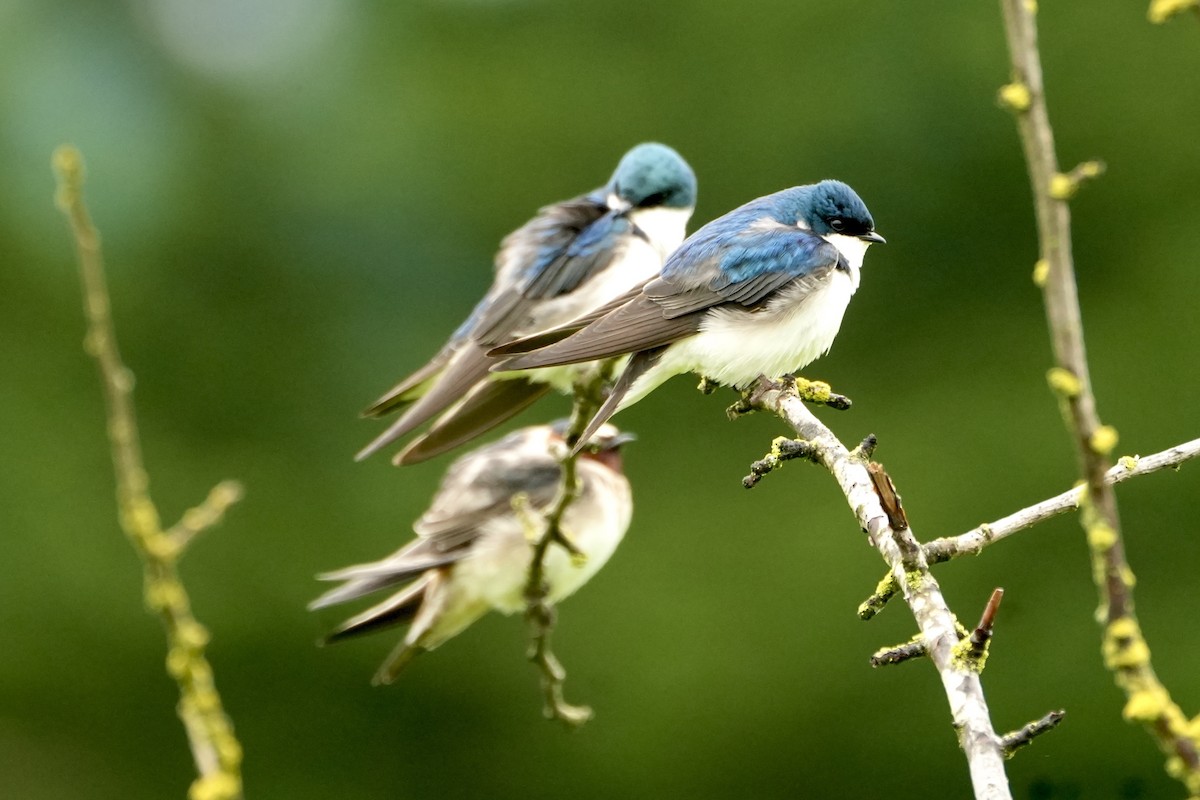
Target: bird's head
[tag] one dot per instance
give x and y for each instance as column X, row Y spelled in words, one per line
column 831, row 208
column 653, row 175
column 604, row 446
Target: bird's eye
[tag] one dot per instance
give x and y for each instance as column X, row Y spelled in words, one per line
column 837, row 224
column 656, row 199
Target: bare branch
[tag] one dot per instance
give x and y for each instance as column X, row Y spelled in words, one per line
column 938, row 628
column 1022, row 738
column 975, row 540
column 888, row 656
column 782, row 449
column 1126, row 652
column 215, row 748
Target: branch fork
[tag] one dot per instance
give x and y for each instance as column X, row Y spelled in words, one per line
column 215, row 749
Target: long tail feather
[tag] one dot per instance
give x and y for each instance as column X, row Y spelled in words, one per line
column 638, row 366
column 537, row 341
column 488, row 405
column 432, row 607
column 365, row 579
column 468, row 367
column 399, row 608
column 410, row 389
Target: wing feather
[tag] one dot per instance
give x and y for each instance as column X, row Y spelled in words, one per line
column 745, row 269
column 640, row 324
column 556, row 252
column 481, row 485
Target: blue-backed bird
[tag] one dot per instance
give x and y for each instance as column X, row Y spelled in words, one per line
column 570, row 259
column 473, row 548
column 759, row 291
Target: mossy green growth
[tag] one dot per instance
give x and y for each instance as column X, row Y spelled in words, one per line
column 1062, row 187
column 1128, row 463
column 1063, row 382
column 813, row 391
column 966, row 658
column 1193, row 728
column 1015, row 96
column 884, row 591
column 1101, row 537
column 1162, row 10
column 915, row 581
column 164, row 594
column 1146, row 705
column 217, row 786
column 192, row 635
column 1104, row 439
column 1124, row 647
column 1041, row 272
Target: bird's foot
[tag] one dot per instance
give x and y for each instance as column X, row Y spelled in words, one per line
column 707, row 385
column 752, row 397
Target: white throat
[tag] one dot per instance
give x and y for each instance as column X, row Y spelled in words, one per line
column 665, row 226
column 852, row 248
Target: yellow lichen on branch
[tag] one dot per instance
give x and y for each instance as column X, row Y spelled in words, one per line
column 215, row 748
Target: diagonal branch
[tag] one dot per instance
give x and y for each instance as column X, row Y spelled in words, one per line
column 968, row 708
column 975, row 540
column 215, row 748
column 1126, row 652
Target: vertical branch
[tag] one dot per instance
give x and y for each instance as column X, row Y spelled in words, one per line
column 1125, row 650
column 215, row 748
column 539, row 613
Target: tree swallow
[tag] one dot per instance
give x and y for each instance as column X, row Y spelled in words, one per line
column 573, row 257
column 759, row 291
column 474, row 546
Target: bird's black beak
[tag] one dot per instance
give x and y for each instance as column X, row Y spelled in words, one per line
column 624, row 437
column 873, row 237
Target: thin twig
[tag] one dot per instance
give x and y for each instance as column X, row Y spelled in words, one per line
column 899, row 548
column 1024, row 737
column 1126, row 653
column 898, row 654
column 975, row 540
column 782, row 449
column 215, row 748
column 539, row 613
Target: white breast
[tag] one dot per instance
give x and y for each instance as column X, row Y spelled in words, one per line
column 497, row 569
column 735, row 346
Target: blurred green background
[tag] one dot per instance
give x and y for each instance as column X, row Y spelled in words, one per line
column 300, row 200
